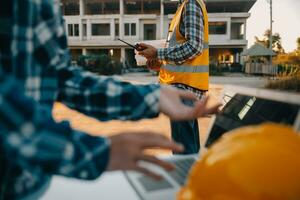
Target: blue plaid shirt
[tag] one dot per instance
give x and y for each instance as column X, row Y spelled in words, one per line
column 192, row 28
column 35, row 71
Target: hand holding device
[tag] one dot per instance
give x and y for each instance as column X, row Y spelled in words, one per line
column 137, row 47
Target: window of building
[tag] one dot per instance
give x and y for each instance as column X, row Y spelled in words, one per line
column 218, row 28
column 170, row 8
column 73, row 30
column 132, row 6
column 98, row 52
column 151, row 7
column 76, row 29
column 70, row 30
column 237, row 31
column 96, row 7
column 226, row 58
column 130, row 29
column 84, row 30
column 117, row 30
column 142, row 6
column 149, row 31
column 70, row 7
column 100, row 29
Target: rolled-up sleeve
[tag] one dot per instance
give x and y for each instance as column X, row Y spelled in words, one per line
column 31, row 137
column 107, row 98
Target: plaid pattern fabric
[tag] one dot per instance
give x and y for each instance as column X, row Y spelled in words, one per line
column 199, row 94
column 35, row 71
column 193, row 30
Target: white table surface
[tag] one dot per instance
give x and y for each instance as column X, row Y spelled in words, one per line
column 111, row 186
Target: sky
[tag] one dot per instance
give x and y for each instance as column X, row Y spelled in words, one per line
column 286, row 16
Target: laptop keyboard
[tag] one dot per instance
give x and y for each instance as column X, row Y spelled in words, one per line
column 179, row 175
column 151, row 184
column 183, row 167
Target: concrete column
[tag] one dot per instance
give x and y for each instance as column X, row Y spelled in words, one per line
column 245, row 30
column 123, row 56
column 229, row 29
column 89, row 29
column 81, row 13
column 162, row 13
column 112, row 29
column 121, row 23
column 80, row 29
column 81, row 8
column 84, row 51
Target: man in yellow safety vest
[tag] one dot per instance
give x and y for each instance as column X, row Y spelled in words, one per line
column 184, row 63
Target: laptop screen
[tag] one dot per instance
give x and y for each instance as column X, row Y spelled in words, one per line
column 242, row 110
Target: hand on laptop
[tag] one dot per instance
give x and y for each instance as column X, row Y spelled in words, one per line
column 128, row 148
column 171, row 105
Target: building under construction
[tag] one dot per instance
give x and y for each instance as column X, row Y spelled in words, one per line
column 93, row 26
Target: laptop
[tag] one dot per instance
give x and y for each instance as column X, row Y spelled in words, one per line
column 242, row 106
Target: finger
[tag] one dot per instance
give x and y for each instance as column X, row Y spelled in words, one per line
column 215, row 109
column 143, row 45
column 145, row 54
column 159, row 141
column 150, row 62
column 156, row 161
column 141, row 53
column 147, row 172
column 201, row 108
column 139, row 47
column 187, row 95
column 204, row 100
column 193, row 112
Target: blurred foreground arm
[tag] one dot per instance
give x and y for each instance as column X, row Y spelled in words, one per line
column 30, row 136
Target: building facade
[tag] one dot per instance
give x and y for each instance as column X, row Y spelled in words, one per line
column 93, row 26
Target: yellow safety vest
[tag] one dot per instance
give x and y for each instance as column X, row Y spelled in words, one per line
column 194, row 72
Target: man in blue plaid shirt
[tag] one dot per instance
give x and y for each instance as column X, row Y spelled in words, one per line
column 35, row 72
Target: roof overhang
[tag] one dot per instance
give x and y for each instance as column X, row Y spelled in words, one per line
column 258, row 50
column 229, row 5
column 223, row 6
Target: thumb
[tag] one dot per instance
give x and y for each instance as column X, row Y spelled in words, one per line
column 201, row 108
column 144, row 45
column 187, row 95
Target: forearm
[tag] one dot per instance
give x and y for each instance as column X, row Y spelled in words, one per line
column 107, row 98
column 180, row 53
column 31, row 137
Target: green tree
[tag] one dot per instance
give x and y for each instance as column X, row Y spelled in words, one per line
column 276, row 41
column 298, row 43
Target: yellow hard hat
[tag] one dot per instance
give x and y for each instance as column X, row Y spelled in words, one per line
column 251, row 163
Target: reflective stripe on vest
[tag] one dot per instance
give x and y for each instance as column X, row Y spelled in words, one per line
column 183, row 68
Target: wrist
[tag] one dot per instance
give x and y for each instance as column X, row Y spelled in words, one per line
column 160, row 54
column 110, row 164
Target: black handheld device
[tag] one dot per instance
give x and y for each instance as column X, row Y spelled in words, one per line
column 136, row 47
